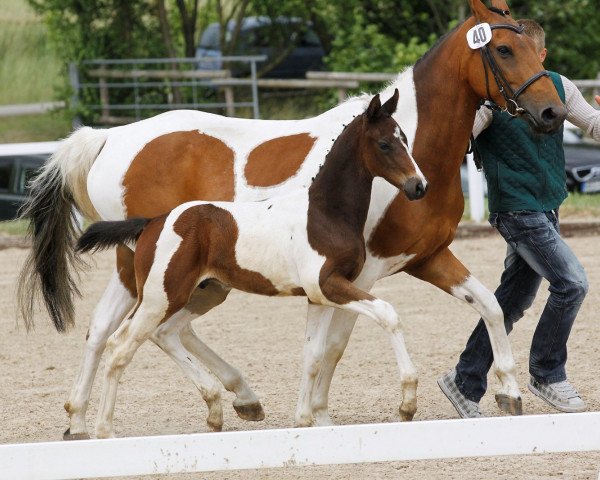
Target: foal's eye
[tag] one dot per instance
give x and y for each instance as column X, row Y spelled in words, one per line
column 504, row 50
column 386, row 147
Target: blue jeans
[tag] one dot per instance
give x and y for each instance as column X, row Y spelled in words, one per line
column 535, row 251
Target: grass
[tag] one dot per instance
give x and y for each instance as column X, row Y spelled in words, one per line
column 29, row 68
column 34, row 128
column 577, row 206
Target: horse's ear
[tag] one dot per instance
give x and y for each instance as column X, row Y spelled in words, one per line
column 389, row 107
column 479, row 10
column 373, row 108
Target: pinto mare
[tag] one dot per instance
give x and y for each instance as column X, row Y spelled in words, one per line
column 306, row 243
column 149, row 167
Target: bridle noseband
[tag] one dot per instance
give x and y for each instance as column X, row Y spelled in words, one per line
column 510, row 95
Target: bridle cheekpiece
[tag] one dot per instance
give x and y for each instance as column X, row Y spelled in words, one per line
column 510, row 95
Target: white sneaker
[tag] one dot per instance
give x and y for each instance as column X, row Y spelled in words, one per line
column 561, row 395
column 466, row 408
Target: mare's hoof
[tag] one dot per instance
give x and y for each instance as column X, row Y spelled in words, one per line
column 75, row 436
column 510, row 405
column 252, row 412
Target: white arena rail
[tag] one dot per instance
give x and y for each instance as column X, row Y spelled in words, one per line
column 424, row 440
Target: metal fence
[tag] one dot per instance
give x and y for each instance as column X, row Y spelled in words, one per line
column 121, row 91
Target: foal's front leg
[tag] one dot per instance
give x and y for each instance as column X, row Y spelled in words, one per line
column 351, row 298
column 446, row 272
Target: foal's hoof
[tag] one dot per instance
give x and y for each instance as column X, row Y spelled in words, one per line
column 252, row 412
column 75, row 436
column 406, row 416
column 510, row 405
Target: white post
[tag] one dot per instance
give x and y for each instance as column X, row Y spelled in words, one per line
column 476, row 197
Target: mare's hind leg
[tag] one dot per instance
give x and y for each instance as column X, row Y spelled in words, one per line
column 345, row 295
column 116, row 301
column 446, row 272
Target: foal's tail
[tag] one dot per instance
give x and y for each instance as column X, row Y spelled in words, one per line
column 103, row 235
column 59, row 189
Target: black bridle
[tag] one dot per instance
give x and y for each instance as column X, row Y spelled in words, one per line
column 510, row 95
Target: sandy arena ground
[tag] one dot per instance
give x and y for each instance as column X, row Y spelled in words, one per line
column 263, row 337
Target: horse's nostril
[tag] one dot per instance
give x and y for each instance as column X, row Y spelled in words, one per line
column 420, row 189
column 549, row 115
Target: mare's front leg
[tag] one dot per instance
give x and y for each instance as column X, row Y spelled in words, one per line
column 344, row 295
column 315, row 337
column 116, row 301
column 446, row 272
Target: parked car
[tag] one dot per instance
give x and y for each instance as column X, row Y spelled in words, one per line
column 18, row 163
column 255, row 37
column 582, row 160
column 582, row 163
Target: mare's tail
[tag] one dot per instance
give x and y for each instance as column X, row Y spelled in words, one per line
column 55, row 194
column 103, row 235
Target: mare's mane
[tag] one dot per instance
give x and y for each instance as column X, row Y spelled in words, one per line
column 447, row 34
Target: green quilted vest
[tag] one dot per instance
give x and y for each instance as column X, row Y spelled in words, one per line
column 524, row 170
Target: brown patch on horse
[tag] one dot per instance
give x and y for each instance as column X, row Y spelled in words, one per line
column 125, row 269
column 176, row 168
column 276, row 160
column 209, row 236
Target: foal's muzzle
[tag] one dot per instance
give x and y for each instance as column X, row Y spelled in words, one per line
column 414, row 188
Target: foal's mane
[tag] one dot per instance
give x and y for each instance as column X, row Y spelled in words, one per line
column 341, row 141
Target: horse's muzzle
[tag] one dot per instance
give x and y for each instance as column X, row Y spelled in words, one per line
column 415, row 188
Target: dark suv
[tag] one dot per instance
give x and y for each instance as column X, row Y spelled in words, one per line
column 256, row 37
column 15, row 171
column 582, row 162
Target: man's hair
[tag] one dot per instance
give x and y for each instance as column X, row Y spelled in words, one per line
column 535, row 31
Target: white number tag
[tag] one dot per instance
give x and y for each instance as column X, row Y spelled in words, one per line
column 479, row 36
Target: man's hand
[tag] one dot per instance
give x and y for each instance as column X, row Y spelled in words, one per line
column 598, row 99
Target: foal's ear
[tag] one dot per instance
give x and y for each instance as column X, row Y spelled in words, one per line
column 389, row 107
column 373, row 108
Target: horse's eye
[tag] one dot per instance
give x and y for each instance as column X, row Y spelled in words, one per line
column 504, row 50
column 386, row 147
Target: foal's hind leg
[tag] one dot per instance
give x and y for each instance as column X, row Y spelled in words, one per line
column 113, row 306
column 246, row 404
column 446, row 272
column 121, row 347
column 345, row 295
column 166, row 336
column 177, row 338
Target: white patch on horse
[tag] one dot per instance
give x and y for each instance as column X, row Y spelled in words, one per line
column 396, row 263
column 281, row 224
column 167, row 245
